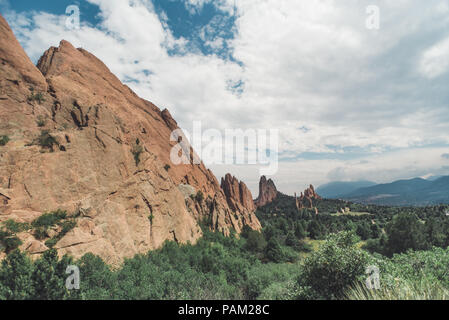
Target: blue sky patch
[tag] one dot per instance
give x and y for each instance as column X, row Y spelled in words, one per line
column 207, row 29
column 89, row 12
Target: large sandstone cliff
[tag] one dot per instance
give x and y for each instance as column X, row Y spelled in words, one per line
column 81, row 141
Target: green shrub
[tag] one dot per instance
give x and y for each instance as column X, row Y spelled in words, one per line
column 304, row 247
column 282, row 291
column 137, row 150
column 51, row 242
column 46, row 140
column 41, row 121
column 405, row 232
column 38, row 96
column 334, row 267
column 16, row 227
column 255, row 242
column 48, row 220
column 11, row 243
column 15, row 277
column 51, row 219
column 167, row 167
column 4, row 140
column 274, row 252
column 199, row 197
column 8, row 239
column 264, row 277
column 40, row 233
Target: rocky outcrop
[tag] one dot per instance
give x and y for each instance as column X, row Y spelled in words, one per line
column 267, row 192
column 237, row 194
column 310, row 193
column 240, row 199
column 307, row 198
column 81, row 141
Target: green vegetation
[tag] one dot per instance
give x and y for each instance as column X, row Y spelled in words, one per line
column 8, row 241
column 199, row 197
column 8, row 235
column 41, row 121
column 167, row 167
column 137, row 150
column 65, row 226
column 410, row 290
column 4, row 140
column 58, row 220
column 151, row 218
column 22, row 279
column 46, row 141
column 51, row 219
column 337, row 264
column 298, row 255
column 36, row 96
column 16, row 227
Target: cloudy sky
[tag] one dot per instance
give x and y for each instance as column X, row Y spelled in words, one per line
column 351, row 102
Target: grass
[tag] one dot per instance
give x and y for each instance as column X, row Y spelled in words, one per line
column 403, row 290
column 352, row 214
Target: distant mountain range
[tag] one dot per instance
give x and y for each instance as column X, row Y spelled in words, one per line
column 413, row 192
column 336, row 190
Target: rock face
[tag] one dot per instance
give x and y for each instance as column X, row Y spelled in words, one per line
column 267, row 192
column 306, row 200
column 240, row 199
column 81, row 141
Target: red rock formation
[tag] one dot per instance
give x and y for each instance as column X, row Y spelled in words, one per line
column 111, row 160
column 267, row 192
column 310, row 193
column 237, row 194
column 240, row 199
column 305, row 201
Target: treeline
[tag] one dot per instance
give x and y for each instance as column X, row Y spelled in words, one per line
column 408, row 244
column 223, row 268
column 385, row 230
column 217, row 267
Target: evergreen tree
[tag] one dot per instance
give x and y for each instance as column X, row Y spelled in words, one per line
column 16, row 277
